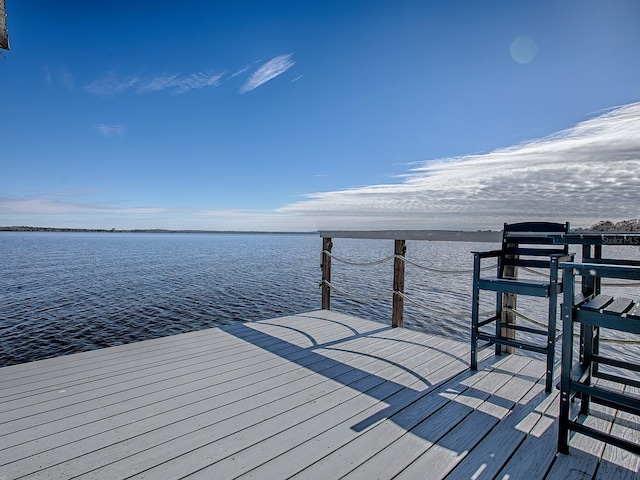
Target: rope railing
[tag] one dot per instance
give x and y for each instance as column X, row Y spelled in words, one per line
column 389, row 293
column 398, row 295
column 359, row 264
column 404, row 259
column 436, row 270
column 366, row 298
column 621, row 341
column 447, row 313
column 607, row 284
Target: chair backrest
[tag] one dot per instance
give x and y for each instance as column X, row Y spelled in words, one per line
column 529, row 244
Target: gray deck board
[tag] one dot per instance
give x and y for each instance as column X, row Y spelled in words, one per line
column 315, row 395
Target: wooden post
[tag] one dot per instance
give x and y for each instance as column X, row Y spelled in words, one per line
column 325, row 265
column 509, row 301
column 398, row 283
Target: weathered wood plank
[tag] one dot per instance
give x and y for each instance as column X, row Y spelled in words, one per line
column 188, row 453
column 305, row 449
column 109, row 444
column 585, row 452
column 330, row 411
column 234, row 403
column 234, row 385
column 319, row 395
column 136, row 366
column 538, row 450
column 66, row 398
column 444, row 456
column 387, row 448
column 616, row 462
column 32, row 377
column 495, row 449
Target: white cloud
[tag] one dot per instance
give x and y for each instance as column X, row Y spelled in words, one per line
column 112, row 84
column 181, row 83
column 60, row 76
column 584, row 174
column 268, row 71
column 241, row 71
column 110, row 130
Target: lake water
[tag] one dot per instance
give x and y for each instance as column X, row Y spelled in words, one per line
column 70, row 292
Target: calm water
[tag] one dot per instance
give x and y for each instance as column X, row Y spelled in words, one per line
column 70, row 292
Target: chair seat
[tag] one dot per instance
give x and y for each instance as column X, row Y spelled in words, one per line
column 523, row 287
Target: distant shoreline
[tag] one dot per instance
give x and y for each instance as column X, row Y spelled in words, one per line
column 484, row 235
column 142, row 230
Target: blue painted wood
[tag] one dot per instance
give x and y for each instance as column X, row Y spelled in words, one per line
column 579, row 378
column 528, row 244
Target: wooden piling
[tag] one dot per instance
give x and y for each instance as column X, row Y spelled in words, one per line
column 508, row 316
column 398, row 283
column 325, row 265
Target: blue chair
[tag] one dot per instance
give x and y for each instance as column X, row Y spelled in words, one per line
column 581, row 375
column 530, row 245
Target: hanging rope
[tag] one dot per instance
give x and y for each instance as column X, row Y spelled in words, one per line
column 423, row 306
column 607, row 284
column 431, row 309
column 361, row 298
column 435, row 270
column 404, row 259
column 528, row 319
column 621, row 341
column 359, row 264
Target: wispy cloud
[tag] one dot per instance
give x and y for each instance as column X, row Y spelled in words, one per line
column 584, row 174
column 181, row 83
column 59, row 76
column 113, row 84
column 107, row 130
column 268, row 71
column 241, row 71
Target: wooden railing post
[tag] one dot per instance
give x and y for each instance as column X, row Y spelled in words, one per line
column 325, row 265
column 398, row 283
column 509, row 302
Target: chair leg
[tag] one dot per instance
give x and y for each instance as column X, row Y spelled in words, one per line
column 565, row 386
column 567, row 362
column 589, row 333
column 475, row 305
column 498, row 321
column 551, row 341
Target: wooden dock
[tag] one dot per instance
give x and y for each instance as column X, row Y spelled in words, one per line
column 317, row 395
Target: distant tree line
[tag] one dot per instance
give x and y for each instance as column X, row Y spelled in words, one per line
column 632, row 225
column 22, row 228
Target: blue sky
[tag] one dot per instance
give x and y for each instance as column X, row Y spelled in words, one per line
column 319, row 115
